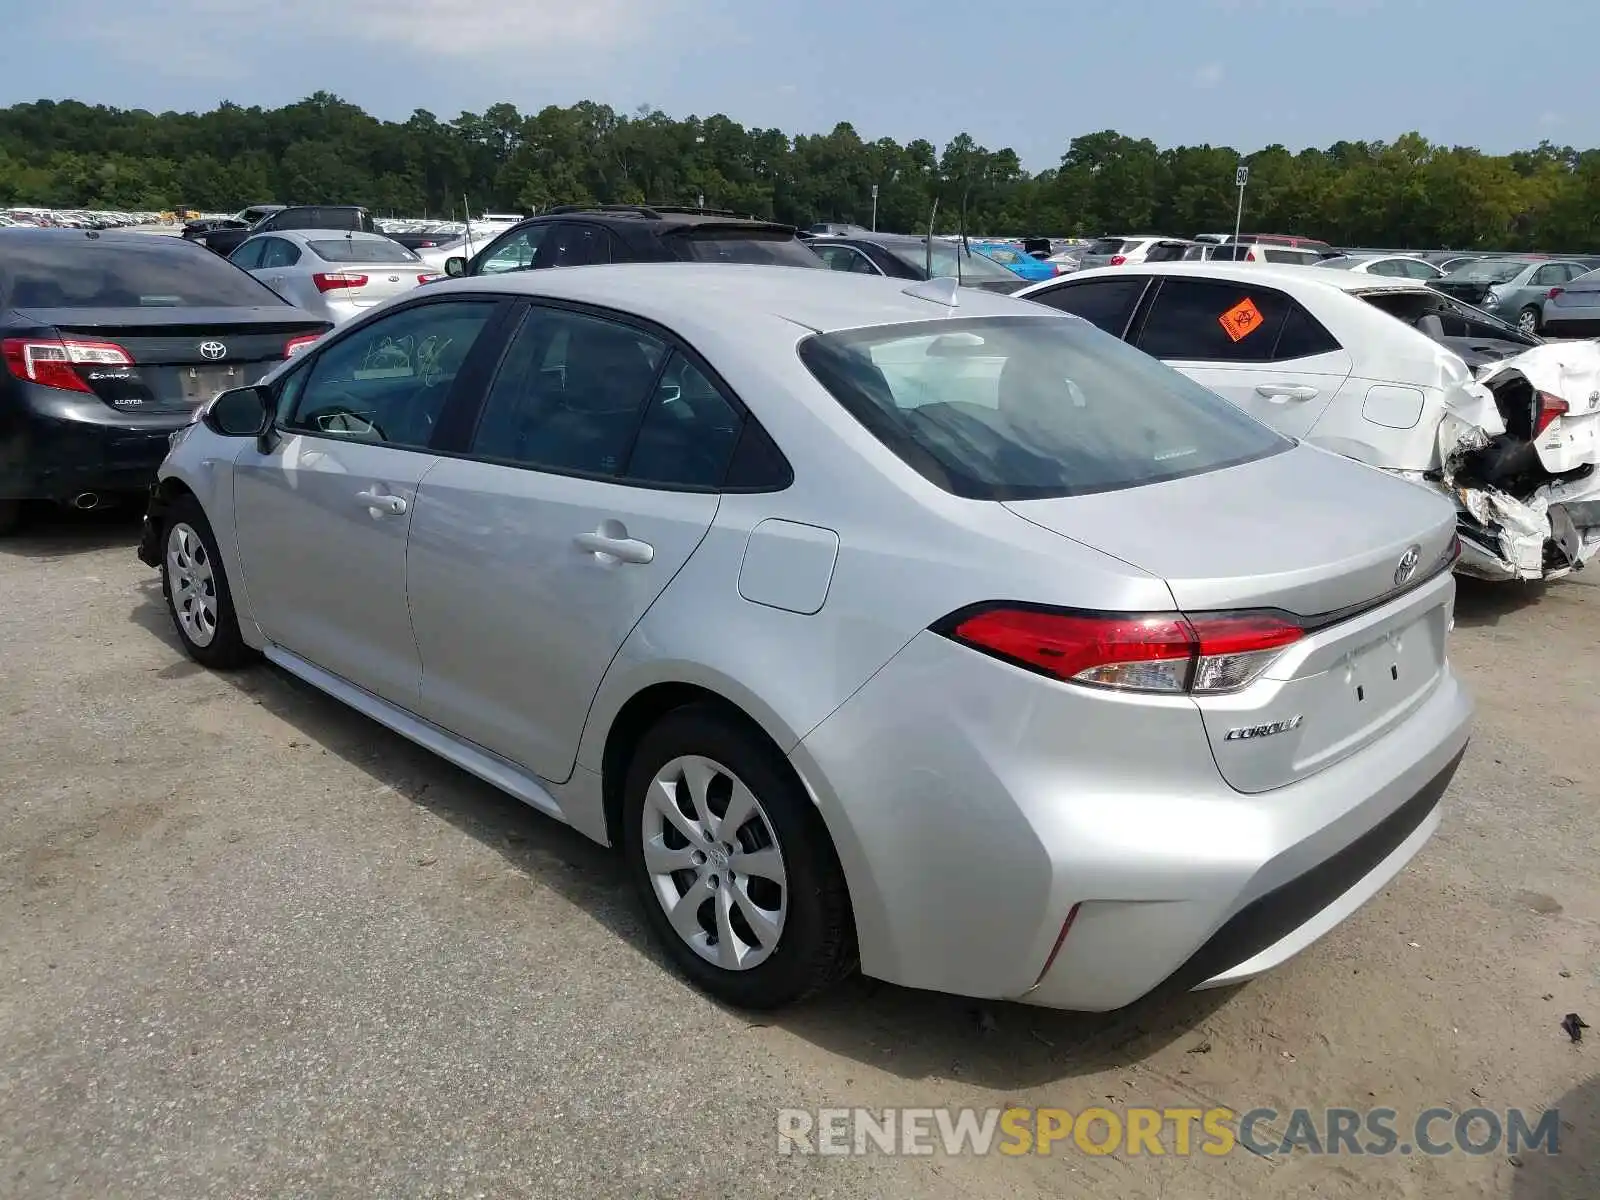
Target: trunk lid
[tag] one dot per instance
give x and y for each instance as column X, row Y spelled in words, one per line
column 1312, row 534
column 369, row 284
column 181, row 356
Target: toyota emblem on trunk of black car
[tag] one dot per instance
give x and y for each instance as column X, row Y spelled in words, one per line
column 1408, row 564
column 212, row 350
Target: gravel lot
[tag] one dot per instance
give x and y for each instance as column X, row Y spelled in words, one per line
column 251, row 944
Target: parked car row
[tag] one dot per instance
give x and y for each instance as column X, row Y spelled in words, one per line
column 47, row 218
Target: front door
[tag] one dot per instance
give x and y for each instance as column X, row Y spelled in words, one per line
column 591, row 478
column 322, row 517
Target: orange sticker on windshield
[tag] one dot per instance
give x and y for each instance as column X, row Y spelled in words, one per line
column 1243, row 319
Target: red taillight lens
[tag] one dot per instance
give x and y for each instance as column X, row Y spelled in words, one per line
column 431, row 277
column 1550, row 407
column 296, row 344
column 1553, row 293
column 1161, row 652
column 54, row 362
column 426, row 245
column 333, row 280
column 1118, row 259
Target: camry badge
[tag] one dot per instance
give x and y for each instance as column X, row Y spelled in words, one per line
column 1407, row 566
column 212, row 350
column 1261, row 731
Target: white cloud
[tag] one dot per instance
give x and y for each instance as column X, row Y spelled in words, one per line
column 1209, row 75
column 208, row 38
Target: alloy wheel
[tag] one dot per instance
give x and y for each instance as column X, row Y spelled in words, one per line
column 192, row 585
column 714, row 863
column 1528, row 321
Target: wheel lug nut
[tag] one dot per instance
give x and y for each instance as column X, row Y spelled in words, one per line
column 712, row 881
column 697, row 858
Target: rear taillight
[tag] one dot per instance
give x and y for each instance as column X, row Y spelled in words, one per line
column 1553, row 293
column 54, row 362
column 296, row 344
column 431, row 277
column 333, row 280
column 1118, row 259
column 1452, row 553
column 1250, row 256
column 426, row 245
column 1550, row 407
column 1172, row 653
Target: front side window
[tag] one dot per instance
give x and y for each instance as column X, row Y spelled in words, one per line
column 1012, row 408
column 388, row 381
column 1204, row 320
column 1107, row 304
column 514, row 252
column 569, row 394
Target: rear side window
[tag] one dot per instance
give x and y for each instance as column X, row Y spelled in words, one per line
column 1012, row 408
column 689, row 431
column 744, row 246
column 138, row 271
column 348, row 250
column 1105, row 246
column 279, row 253
column 569, row 245
column 1202, row 320
column 1107, row 304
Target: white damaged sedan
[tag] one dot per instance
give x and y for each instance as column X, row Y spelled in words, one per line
column 1391, row 373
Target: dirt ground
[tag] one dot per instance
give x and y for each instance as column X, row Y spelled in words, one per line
column 251, row 944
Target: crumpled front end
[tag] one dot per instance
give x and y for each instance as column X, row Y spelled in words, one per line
column 1519, row 453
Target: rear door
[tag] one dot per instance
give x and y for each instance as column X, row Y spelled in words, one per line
column 1255, row 346
column 591, row 477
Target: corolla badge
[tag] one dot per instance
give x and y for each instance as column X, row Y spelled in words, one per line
column 212, row 350
column 1407, row 566
column 1261, row 731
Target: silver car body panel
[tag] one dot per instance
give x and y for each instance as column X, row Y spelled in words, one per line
column 965, row 796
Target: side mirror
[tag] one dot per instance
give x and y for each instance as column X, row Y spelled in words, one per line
column 455, row 266
column 239, row 412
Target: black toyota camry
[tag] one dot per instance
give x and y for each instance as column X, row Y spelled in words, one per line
column 110, row 342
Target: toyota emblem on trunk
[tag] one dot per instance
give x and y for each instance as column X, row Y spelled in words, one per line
column 212, row 350
column 1408, row 564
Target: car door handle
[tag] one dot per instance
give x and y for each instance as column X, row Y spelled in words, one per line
column 1279, row 392
column 393, row 505
column 623, row 549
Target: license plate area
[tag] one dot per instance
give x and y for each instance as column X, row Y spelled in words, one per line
column 199, row 384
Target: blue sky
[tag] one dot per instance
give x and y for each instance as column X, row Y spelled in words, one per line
column 1025, row 73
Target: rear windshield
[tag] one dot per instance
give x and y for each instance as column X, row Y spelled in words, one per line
column 748, row 246
column 139, row 271
column 349, row 250
column 1442, row 317
column 1489, row 271
column 1024, row 407
column 1105, row 246
column 949, row 260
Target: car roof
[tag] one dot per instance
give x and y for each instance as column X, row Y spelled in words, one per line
column 629, row 214
column 723, row 298
column 102, row 237
column 1278, row 274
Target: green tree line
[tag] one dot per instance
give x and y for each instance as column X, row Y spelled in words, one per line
column 1408, row 192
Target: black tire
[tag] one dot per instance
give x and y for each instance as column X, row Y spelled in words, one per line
column 1535, row 317
column 10, row 516
column 226, row 648
column 816, row 947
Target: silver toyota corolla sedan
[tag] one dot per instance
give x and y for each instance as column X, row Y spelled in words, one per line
column 874, row 621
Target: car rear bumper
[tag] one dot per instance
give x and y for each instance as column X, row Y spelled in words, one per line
column 55, row 445
column 975, row 807
column 1582, row 324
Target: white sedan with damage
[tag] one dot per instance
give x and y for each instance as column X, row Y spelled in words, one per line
column 1391, row 373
